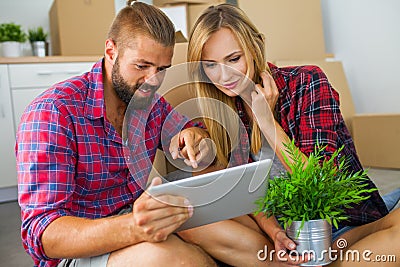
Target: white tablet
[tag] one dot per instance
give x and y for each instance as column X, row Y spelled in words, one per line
column 220, row 195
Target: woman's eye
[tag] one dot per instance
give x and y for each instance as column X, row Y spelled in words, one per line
column 235, row 59
column 209, row 65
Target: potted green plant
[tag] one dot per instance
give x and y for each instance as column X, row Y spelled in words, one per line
column 312, row 197
column 11, row 37
column 38, row 39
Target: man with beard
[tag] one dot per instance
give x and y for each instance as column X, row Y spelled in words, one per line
column 80, row 204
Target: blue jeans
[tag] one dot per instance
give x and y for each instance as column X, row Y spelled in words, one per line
column 390, row 200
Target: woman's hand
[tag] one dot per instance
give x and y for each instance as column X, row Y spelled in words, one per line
column 194, row 146
column 264, row 98
column 283, row 245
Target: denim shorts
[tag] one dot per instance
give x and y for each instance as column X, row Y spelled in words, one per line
column 98, row 261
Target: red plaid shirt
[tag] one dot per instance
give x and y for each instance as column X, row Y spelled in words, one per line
column 70, row 159
column 308, row 111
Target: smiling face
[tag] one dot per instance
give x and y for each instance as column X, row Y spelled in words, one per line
column 225, row 63
column 134, row 71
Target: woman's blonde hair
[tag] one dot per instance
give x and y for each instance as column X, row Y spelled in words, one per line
column 252, row 43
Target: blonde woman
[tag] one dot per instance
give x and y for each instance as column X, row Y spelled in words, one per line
column 285, row 104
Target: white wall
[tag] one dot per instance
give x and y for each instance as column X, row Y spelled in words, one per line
column 363, row 34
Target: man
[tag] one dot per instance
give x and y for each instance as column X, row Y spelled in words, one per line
column 80, row 204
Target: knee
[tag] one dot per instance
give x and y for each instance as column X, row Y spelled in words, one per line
column 189, row 236
column 172, row 252
column 393, row 218
column 396, row 219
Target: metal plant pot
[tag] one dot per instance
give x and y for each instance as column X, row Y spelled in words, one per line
column 314, row 237
column 39, row 48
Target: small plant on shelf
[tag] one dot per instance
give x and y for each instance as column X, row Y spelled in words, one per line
column 37, row 35
column 11, row 32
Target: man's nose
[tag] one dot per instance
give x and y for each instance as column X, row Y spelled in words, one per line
column 153, row 77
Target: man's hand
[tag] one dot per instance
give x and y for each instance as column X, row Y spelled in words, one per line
column 193, row 145
column 156, row 218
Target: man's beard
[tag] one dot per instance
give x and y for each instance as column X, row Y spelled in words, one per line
column 127, row 93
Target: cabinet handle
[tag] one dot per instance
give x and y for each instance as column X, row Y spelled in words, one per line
column 74, row 72
column 44, row 73
column 47, row 72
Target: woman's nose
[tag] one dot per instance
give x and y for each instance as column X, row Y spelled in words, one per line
column 225, row 73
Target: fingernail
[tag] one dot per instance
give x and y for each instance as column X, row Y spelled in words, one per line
column 194, row 164
column 190, row 210
column 186, row 203
column 292, row 246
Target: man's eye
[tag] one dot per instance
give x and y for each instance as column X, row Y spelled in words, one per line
column 140, row 67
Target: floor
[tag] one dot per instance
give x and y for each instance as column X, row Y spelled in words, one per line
column 12, row 253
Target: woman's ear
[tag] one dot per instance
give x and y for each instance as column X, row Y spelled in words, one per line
column 111, row 51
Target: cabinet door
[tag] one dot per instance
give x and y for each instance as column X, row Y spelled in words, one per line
column 44, row 74
column 29, row 80
column 21, row 99
column 7, row 138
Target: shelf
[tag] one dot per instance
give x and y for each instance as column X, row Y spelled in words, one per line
column 49, row 59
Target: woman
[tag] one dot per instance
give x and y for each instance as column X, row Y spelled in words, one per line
column 285, row 104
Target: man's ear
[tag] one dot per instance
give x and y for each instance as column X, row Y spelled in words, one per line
column 111, row 51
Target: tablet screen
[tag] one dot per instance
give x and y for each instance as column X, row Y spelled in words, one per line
column 220, row 195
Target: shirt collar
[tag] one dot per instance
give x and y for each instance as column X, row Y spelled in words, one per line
column 94, row 107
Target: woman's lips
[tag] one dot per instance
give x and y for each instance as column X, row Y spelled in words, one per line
column 231, row 85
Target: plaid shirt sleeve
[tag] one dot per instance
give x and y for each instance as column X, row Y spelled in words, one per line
column 45, row 171
column 311, row 110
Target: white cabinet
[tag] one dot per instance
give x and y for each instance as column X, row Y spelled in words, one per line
column 29, row 80
column 19, row 85
column 7, row 138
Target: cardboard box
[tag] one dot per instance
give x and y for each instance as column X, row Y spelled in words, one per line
column 80, row 27
column 194, row 12
column 180, row 52
column 161, row 3
column 376, row 138
column 293, row 29
column 184, row 16
column 159, row 167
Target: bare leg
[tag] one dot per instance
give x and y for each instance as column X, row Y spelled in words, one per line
column 380, row 237
column 172, row 252
column 235, row 242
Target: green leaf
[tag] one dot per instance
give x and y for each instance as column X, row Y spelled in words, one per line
column 319, row 188
column 12, row 32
